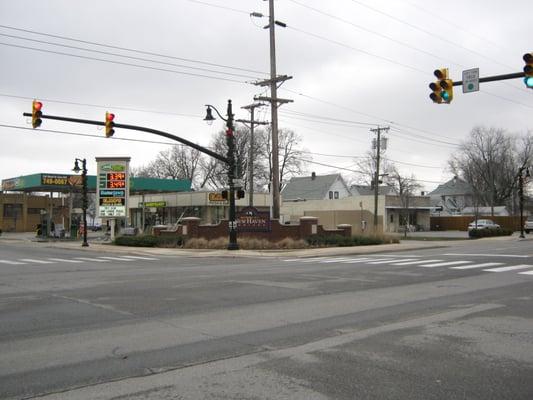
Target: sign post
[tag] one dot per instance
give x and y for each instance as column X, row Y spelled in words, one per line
column 112, row 189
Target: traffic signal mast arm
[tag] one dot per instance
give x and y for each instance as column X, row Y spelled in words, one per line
column 495, row 78
column 137, row 128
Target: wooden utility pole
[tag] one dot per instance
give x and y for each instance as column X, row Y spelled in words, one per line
column 252, row 122
column 274, row 101
column 376, row 175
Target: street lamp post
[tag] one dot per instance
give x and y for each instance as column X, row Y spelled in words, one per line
column 521, row 176
column 85, row 202
column 230, row 140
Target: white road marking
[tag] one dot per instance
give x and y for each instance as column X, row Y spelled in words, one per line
column 511, row 268
column 334, row 260
column 11, row 262
column 356, row 260
column 116, row 258
column 526, row 273
column 64, row 260
column 416, row 262
column 391, row 261
column 444, row 264
column 141, row 258
column 483, row 265
column 309, row 260
column 31, row 260
column 485, row 255
column 91, row 259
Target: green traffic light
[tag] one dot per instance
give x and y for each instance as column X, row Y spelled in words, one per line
column 445, row 96
column 528, row 80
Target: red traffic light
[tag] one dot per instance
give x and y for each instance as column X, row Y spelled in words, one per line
column 229, row 132
column 37, row 105
column 109, row 117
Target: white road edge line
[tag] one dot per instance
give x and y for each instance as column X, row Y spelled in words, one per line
column 511, row 268
column 483, row 265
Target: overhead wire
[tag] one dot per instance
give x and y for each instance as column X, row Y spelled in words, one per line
column 124, row 63
column 150, row 53
column 128, row 57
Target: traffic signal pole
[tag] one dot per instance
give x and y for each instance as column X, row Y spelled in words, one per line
column 496, row 78
column 137, row 128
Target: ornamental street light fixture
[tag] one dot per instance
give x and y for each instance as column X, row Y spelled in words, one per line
column 85, row 202
column 522, row 173
column 230, row 140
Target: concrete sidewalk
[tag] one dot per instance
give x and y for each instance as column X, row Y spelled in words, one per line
column 97, row 245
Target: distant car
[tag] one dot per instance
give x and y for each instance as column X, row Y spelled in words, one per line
column 95, row 227
column 483, row 224
column 528, row 225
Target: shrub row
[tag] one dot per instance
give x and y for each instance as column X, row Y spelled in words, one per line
column 343, row 241
column 481, row 233
column 149, row 241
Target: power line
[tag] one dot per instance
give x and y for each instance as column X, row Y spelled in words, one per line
column 123, row 63
column 379, row 34
column 219, row 6
column 390, row 60
column 131, row 49
column 105, row 107
column 429, row 33
column 289, row 111
column 90, row 136
column 128, row 57
column 337, row 18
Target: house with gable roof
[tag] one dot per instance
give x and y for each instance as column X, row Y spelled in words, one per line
column 315, row 187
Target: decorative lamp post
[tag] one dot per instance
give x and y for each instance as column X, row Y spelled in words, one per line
column 230, row 140
column 85, row 202
column 522, row 173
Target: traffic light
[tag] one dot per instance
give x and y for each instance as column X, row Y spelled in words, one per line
column 225, row 195
column 240, row 194
column 443, row 88
column 109, row 124
column 36, row 114
column 528, row 70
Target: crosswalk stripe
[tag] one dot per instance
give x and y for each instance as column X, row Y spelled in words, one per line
column 91, row 259
column 11, row 262
column 391, row 261
column 141, row 258
column 116, row 258
column 526, row 273
column 483, row 265
column 314, row 259
column 64, row 260
column 31, row 260
column 356, row 260
column 511, row 268
column 334, row 260
column 444, row 264
column 416, row 262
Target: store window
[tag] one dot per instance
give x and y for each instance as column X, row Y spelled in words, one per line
column 12, row 210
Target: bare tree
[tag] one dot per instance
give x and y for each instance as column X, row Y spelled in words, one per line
column 178, row 162
column 406, row 187
column 290, row 154
column 490, row 161
column 366, row 166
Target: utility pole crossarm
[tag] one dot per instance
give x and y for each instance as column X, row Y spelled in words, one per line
column 268, row 82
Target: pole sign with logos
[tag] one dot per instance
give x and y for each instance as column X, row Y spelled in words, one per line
column 112, row 187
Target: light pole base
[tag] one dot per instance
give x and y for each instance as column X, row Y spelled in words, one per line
column 233, row 246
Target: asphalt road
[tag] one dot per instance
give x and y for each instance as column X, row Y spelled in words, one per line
column 448, row 323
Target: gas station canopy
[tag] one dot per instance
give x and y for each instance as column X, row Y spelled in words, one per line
column 65, row 183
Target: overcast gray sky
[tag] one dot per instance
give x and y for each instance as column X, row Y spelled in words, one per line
column 356, row 64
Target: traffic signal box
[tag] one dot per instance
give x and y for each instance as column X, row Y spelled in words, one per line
column 528, row 70
column 109, row 124
column 442, row 88
column 36, row 114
